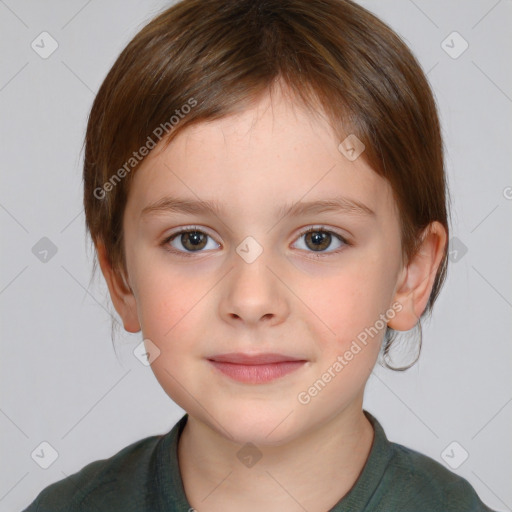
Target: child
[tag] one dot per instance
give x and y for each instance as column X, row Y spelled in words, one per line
column 265, row 189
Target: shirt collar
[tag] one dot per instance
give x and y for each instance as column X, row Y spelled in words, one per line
column 172, row 493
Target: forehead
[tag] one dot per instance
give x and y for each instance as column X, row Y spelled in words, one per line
column 272, row 154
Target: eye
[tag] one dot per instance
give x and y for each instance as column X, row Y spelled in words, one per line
column 318, row 239
column 189, row 240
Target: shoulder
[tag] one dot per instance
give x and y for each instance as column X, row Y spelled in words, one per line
column 102, row 482
column 424, row 481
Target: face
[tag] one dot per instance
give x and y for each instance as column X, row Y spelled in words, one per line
column 248, row 278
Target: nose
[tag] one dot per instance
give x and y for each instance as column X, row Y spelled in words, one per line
column 253, row 294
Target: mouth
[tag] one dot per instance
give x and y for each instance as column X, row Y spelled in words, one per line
column 255, row 368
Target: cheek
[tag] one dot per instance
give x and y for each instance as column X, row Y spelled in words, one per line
column 161, row 298
column 175, row 308
column 351, row 299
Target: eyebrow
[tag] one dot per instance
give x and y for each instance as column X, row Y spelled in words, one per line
column 335, row 204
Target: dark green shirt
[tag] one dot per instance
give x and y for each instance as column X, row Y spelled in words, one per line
column 145, row 477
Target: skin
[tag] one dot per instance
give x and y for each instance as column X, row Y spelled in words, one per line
column 288, row 300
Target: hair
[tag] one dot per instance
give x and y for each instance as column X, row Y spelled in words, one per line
column 201, row 61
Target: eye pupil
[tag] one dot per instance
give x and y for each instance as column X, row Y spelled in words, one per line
column 320, row 239
column 196, row 238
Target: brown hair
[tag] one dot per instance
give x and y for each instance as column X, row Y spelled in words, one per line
column 218, row 56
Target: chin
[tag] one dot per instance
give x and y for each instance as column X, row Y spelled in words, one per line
column 260, row 424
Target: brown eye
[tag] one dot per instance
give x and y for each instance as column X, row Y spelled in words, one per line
column 318, row 240
column 189, row 241
column 193, row 240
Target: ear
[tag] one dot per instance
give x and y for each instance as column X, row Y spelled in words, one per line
column 417, row 278
column 120, row 292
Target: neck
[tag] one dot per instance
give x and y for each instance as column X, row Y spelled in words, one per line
column 312, row 472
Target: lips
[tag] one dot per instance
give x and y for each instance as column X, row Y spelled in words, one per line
column 252, row 359
column 255, row 368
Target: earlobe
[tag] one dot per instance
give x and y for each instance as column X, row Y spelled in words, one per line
column 417, row 278
column 120, row 292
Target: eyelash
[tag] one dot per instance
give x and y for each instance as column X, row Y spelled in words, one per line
column 321, row 229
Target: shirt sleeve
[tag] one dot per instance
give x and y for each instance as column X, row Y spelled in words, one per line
column 461, row 496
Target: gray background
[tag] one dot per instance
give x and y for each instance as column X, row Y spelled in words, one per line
column 60, row 379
